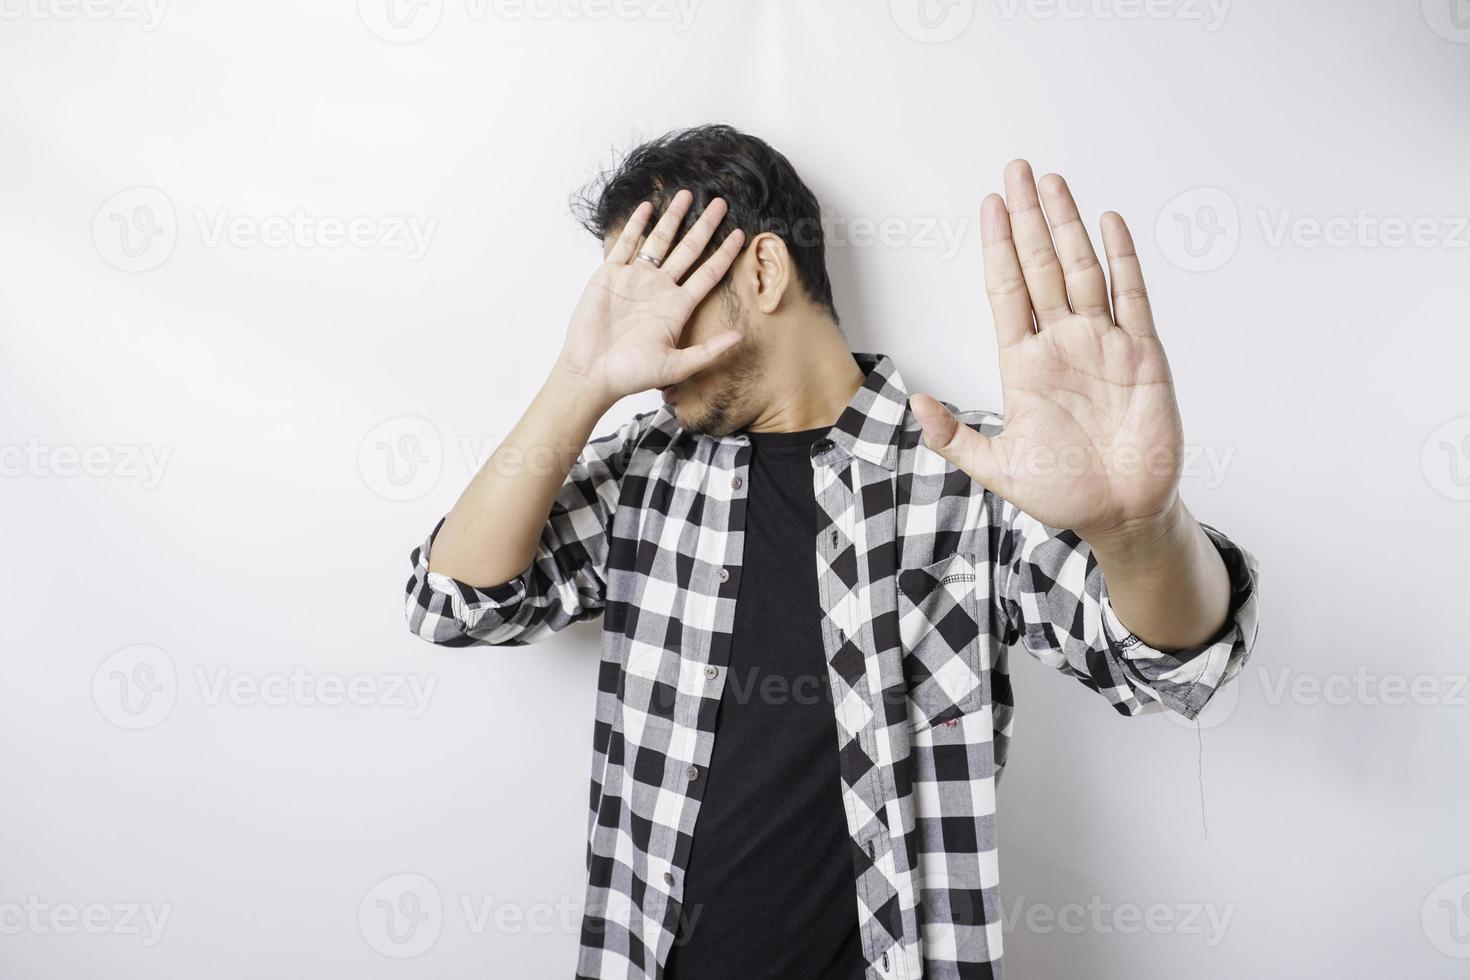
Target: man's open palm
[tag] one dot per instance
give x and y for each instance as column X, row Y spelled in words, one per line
column 627, row 328
column 1092, row 439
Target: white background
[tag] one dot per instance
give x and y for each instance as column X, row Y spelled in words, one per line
column 311, row 408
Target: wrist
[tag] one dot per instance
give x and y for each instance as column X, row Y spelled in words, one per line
column 1142, row 541
column 577, row 391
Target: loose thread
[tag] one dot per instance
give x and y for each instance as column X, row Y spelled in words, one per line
column 1203, row 817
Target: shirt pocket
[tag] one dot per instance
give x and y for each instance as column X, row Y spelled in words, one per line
column 939, row 631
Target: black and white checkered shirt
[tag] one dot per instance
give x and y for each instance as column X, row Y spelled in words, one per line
column 926, row 580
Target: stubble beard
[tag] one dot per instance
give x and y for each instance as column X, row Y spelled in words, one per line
column 729, row 407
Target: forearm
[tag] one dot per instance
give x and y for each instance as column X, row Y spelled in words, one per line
column 1166, row 580
column 490, row 535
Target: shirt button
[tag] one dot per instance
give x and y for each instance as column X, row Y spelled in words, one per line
column 736, row 483
column 824, row 446
column 712, row 672
column 692, row 772
column 724, row 575
column 668, row 877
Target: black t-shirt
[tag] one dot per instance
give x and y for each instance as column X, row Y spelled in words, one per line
column 769, row 891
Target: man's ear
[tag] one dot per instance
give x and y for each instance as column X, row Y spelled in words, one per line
column 771, row 263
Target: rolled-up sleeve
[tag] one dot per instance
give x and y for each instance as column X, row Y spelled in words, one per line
column 1050, row 595
column 566, row 580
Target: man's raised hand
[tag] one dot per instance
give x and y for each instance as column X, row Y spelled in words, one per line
column 625, row 331
column 1092, row 439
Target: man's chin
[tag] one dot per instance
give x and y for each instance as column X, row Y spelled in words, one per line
column 697, row 420
column 689, row 419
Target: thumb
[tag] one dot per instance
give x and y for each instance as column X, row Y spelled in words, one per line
column 959, row 444
column 683, row 362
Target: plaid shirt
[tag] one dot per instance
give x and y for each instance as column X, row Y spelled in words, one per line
column 925, row 580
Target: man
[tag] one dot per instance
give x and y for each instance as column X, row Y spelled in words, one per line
column 809, row 579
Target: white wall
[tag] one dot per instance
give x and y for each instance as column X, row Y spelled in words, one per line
column 265, row 535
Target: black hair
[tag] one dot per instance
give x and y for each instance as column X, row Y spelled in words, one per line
column 760, row 186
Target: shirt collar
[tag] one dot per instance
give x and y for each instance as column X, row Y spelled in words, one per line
column 869, row 426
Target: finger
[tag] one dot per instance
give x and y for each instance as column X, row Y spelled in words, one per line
column 713, row 269
column 658, row 242
column 1010, row 304
column 1087, row 287
column 959, row 444
column 685, row 361
column 627, row 241
column 1131, row 308
column 691, row 246
column 1034, row 246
